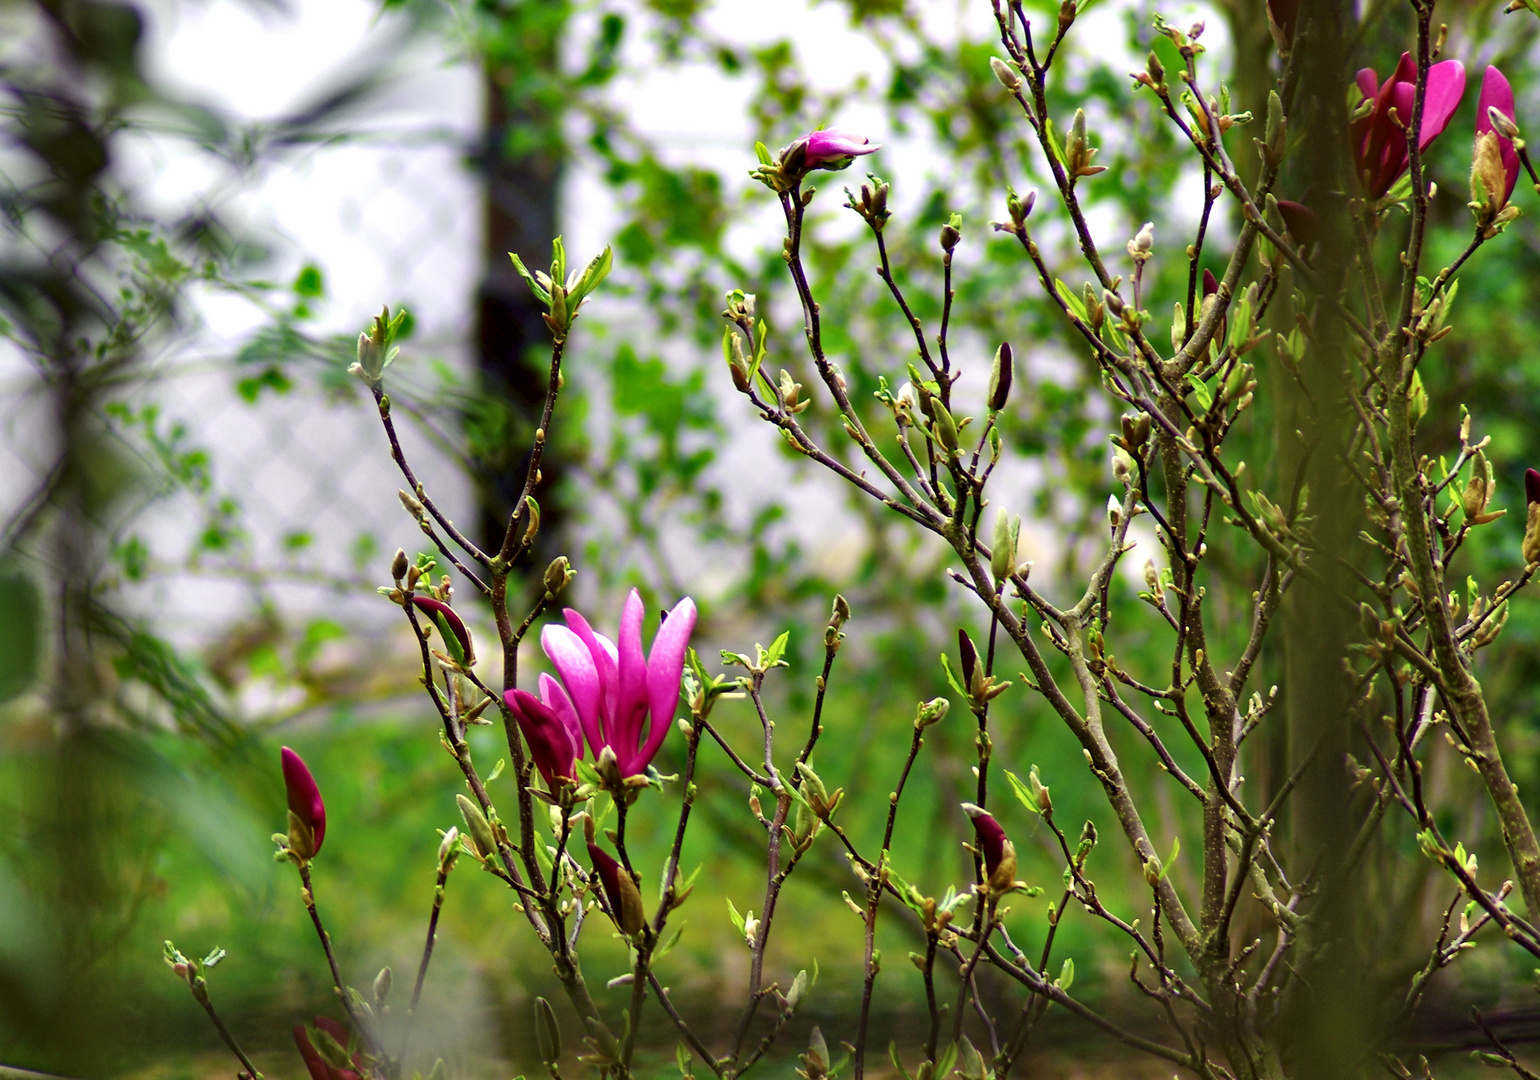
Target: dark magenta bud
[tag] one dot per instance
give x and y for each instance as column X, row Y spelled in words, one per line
column 998, row 852
column 457, row 639
column 970, row 657
column 620, row 890
column 305, row 806
column 1300, row 220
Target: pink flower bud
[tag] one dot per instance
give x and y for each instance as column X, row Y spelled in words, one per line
column 834, row 150
column 450, row 626
column 1497, row 94
column 304, row 800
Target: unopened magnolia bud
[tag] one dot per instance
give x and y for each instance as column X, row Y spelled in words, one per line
column 1114, row 511
column 382, row 986
column 1114, row 303
column 1143, row 240
column 841, row 612
column 1122, row 466
column 945, row 426
column 448, row 848
column 482, row 839
column 1479, row 491
column 1002, row 555
column 1136, row 430
column 1096, row 312
column 1007, row 76
column 951, row 234
column 737, row 363
column 1000, row 378
column 547, row 1032
column 969, row 656
column 931, row 712
column 412, row 504
column 798, row 989
column 1502, row 123
column 1531, row 546
column 399, row 566
column 557, row 575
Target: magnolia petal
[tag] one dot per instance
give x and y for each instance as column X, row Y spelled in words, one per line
column 665, row 666
column 558, row 702
column 1446, row 86
column 824, row 146
column 574, row 662
column 631, row 698
column 605, row 659
column 304, row 795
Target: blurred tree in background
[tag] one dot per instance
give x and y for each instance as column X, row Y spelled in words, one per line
column 137, row 796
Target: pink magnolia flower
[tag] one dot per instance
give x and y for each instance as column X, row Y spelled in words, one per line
column 1379, row 142
column 624, row 702
column 834, row 150
column 551, row 727
column 304, row 804
column 1497, row 94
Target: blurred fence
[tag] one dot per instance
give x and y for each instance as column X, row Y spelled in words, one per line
column 292, row 470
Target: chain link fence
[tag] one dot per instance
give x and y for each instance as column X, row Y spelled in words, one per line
column 284, row 491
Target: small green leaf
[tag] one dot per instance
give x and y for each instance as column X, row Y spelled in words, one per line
column 1021, row 791
column 777, row 649
column 946, row 666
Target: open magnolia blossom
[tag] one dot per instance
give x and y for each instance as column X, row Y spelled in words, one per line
column 623, row 702
column 1379, row 139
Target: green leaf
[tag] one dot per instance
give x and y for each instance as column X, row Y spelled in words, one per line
column 947, row 1060
column 535, row 287
column 1021, row 791
column 777, row 649
column 732, row 913
column 1073, row 302
column 946, row 666
column 1200, row 389
column 1066, row 977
